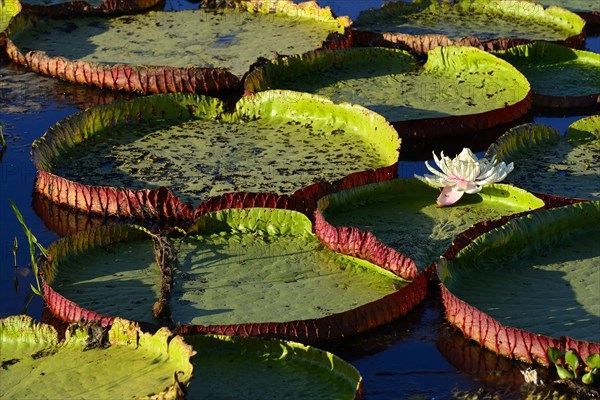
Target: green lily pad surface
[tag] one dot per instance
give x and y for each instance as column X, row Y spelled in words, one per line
column 275, row 142
column 403, row 215
column 573, row 5
column 454, row 80
column 538, row 273
column 554, row 70
column 90, row 363
column 93, row 3
column 8, row 9
column 228, row 38
column 253, row 368
column 483, row 19
column 565, row 166
column 235, row 266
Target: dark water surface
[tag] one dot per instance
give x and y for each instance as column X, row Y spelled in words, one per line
column 417, row 357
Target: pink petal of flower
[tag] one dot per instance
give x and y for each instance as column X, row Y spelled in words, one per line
column 449, row 196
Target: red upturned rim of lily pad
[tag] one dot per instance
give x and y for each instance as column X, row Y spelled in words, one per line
column 80, row 7
column 160, row 203
column 422, row 44
column 364, row 245
column 591, row 17
column 130, row 78
column 334, row 326
column 478, row 326
column 505, row 340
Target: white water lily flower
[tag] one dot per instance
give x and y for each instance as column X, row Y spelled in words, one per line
column 465, row 174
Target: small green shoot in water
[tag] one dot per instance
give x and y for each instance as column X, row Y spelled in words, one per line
column 570, row 366
column 33, row 243
column 2, row 141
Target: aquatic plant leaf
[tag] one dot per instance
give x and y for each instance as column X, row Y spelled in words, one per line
column 587, row 9
column 547, row 261
column 545, row 162
column 253, row 271
column 573, row 5
column 128, row 363
column 243, row 367
column 161, row 156
column 564, row 373
column 572, row 359
column 402, row 214
column 119, row 273
column 593, row 361
column 141, row 54
column 87, row 7
column 458, row 89
column 484, row 19
column 559, row 76
column 554, row 354
column 8, row 9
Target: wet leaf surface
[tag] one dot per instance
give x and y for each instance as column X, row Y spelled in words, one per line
column 230, row 39
column 482, row 19
column 403, row 215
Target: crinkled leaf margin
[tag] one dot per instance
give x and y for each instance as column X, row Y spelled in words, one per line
column 504, row 340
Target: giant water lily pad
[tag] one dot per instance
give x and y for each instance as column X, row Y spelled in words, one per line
column 252, row 271
column 484, row 19
column 184, row 51
column 246, row 367
column 565, row 166
column 559, row 76
column 113, row 159
column 458, row 89
column 402, row 214
column 78, row 7
column 588, row 9
column 530, row 284
column 91, row 363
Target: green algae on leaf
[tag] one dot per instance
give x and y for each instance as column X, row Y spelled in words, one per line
column 545, row 162
column 559, row 76
column 402, row 214
column 128, row 363
column 231, row 38
column 243, row 368
column 454, row 82
column 276, row 141
column 518, row 288
column 253, row 271
column 484, row 19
